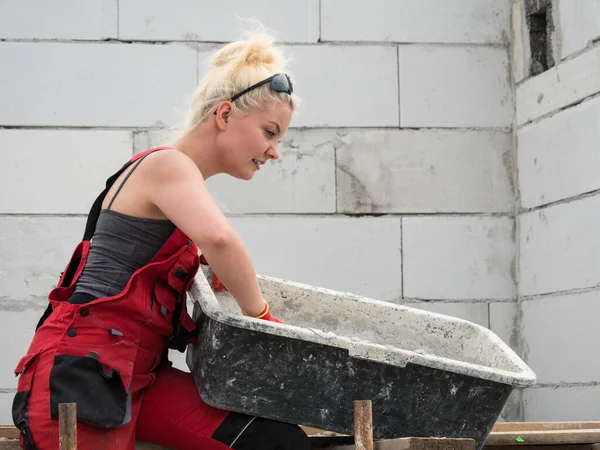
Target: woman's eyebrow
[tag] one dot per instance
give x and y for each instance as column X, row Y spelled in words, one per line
column 277, row 125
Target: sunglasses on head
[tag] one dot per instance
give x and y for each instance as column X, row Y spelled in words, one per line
column 280, row 82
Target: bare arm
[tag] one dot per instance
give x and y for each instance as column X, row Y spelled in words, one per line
column 179, row 191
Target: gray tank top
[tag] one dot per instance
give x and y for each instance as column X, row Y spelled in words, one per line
column 121, row 245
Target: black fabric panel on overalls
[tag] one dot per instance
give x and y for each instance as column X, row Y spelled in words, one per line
column 178, row 340
column 180, row 337
column 94, row 213
column 20, row 408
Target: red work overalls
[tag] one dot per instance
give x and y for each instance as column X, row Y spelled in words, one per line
column 105, row 354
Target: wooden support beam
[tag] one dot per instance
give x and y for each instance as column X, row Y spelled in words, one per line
column 363, row 425
column 67, row 426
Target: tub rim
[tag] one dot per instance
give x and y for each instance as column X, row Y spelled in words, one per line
column 200, row 292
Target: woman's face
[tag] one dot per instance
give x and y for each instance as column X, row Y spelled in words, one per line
column 248, row 141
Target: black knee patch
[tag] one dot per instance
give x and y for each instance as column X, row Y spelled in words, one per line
column 243, row 432
column 285, row 436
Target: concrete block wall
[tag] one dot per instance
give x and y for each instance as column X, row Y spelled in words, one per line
column 558, row 137
column 396, row 178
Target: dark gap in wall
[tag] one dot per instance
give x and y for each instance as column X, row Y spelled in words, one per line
column 541, row 27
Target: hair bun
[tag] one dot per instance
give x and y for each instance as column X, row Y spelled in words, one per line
column 258, row 50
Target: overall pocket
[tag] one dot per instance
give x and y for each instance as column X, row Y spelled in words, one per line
column 20, row 407
column 97, row 379
column 163, row 303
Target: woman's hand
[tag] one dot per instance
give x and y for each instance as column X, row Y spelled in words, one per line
column 266, row 315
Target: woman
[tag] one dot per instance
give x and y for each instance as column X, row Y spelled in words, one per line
column 120, row 303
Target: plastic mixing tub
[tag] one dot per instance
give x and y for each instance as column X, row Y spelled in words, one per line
column 427, row 374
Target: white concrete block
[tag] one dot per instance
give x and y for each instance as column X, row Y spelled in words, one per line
column 561, row 404
column 560, row 337
column 159, row 20
column 143, row 140
column 473, row 312
column 345, row 86
column 521, row 47
column 388, row 171
column 579, row 24
column 440, row 21
column 178, row 359
column 95, row 84
column 34, row 253
column 560, row 247
column 565, row 84
column 454, row 87
column 503, row 322
column 458, row 258
column 58, row 171
column 6, row 400
column 40, row 19
column 16, row 333
column 558, row 156
column 358, row 255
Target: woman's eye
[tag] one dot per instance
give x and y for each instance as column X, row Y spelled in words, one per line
column 271, row 133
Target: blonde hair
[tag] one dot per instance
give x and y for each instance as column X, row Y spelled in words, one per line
column 235, row 67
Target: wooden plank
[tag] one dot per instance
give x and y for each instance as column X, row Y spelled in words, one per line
column 544, row 437
column 9, row 432
column 312, row 431
column 426, row 444
column 9, row 445
column 533, row 426
column 499, row 426
column 546, row 447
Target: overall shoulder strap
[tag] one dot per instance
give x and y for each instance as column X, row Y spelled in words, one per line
column 79, row 256
column 90, row 226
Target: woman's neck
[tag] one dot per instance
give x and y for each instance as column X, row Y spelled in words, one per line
column 200, row 146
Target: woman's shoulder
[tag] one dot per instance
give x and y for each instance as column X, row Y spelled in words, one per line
column 168, row 163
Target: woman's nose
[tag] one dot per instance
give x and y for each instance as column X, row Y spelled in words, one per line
column 273, row 152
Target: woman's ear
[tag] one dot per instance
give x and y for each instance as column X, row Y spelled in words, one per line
column 223, row 113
